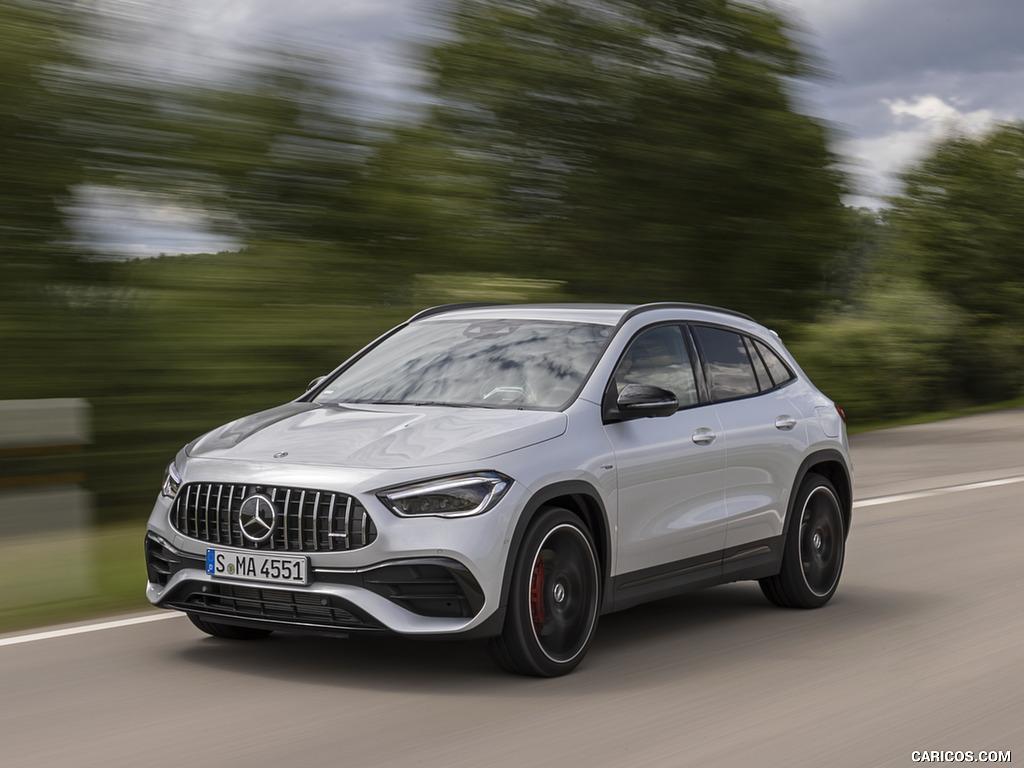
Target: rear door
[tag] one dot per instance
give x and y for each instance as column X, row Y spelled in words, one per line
column 766, row 436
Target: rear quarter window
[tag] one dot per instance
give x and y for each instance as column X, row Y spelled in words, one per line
column 778, row 369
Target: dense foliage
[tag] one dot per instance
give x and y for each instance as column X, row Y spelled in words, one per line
column 642, row 149
column 607, row 151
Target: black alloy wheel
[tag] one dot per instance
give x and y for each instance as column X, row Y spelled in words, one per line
column 554, row 599
column 821, row 542
column 815, row 549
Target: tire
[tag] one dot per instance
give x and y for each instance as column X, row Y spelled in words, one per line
column 812, row 561
column 228, row 631
column 554, row 598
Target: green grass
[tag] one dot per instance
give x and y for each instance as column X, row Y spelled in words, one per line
column 50, row 579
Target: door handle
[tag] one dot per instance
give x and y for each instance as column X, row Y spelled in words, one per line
column 785, row 422
column 704, row 436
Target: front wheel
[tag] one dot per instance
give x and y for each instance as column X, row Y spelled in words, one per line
column 815, row 548
column 554, row 598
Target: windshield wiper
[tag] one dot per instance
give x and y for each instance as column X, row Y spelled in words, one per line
column 445, row 405
column 413, row 402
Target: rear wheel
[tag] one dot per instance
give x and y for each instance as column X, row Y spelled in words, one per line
column 227, row 631
column 815, row 549
column 554, row 598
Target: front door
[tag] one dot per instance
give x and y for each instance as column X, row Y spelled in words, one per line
column 670, row 470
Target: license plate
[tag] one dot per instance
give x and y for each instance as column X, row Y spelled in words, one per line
column 257, row 566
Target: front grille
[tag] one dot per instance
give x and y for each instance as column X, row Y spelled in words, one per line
column 274, row 605
column 306, row 520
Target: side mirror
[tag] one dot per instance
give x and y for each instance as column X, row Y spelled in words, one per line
column 638, row 401
column 315, row 382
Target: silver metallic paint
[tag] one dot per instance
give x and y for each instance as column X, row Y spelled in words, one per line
column 662, row 506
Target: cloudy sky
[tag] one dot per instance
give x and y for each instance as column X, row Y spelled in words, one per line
column 903, row 72
column 906, row 72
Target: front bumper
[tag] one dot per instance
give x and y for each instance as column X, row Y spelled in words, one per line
column 440, row 593
column 416, row 577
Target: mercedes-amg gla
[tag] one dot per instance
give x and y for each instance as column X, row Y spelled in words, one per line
column 512, row 472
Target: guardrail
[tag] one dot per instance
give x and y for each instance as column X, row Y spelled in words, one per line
column 44, row 508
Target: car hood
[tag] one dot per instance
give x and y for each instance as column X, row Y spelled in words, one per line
column 377, row 437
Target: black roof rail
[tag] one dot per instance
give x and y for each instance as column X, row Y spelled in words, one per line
column 441, row 309
column 684, row 305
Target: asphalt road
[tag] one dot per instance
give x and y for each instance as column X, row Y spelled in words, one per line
column 922, row 648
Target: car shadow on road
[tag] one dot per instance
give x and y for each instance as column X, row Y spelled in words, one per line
column 673, row 639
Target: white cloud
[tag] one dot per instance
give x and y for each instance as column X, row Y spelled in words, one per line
column 909, row 73
column 917, row 124
column 939, row 116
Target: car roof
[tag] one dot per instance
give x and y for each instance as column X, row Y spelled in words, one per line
column 601, row 314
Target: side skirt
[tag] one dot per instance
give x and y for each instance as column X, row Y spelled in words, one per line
column 754, row 560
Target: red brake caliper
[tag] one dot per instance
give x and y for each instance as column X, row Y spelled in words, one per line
column 537, row 595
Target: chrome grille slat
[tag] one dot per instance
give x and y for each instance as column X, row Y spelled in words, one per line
column 330, row 520
column 195, row 506
column 209, row 512
column 216, row 519
column 273, row 497
column 199, row 499
column 206, row 512
column 188, row 500
column 287, row 516
column 316, row 514
column 220, row 518
column 348, row 523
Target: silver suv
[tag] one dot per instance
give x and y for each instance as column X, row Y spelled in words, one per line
column 512, row 473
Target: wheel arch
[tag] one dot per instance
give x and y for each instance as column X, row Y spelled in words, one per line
column 832, row 465
column 583, row 500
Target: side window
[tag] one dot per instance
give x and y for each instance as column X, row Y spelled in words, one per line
column 658, row 357
column 764, row 380
column 779, row 370
column 729, row 368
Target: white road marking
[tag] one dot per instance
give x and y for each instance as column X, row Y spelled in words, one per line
column 82, row 629
column 878, row 500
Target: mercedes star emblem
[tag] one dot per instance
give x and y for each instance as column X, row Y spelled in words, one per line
column 257, row 518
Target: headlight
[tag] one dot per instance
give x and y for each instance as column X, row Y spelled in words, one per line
column 458, row 496
column 172, row 482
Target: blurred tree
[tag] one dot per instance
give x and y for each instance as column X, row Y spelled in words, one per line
column 959, row 228
column 855, row 266
column 641, row 150
column 892, row 354
column 267, row 154
column 960, row 224
column 276, row 149
column 38, row 162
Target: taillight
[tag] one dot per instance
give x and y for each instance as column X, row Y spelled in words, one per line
column 841, row 414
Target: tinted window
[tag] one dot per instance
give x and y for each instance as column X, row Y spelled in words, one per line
column 779, row 370
column 763, row 379
column 658, row 357
column 728, row 364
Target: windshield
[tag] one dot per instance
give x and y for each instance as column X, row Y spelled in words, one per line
column 488, row 363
